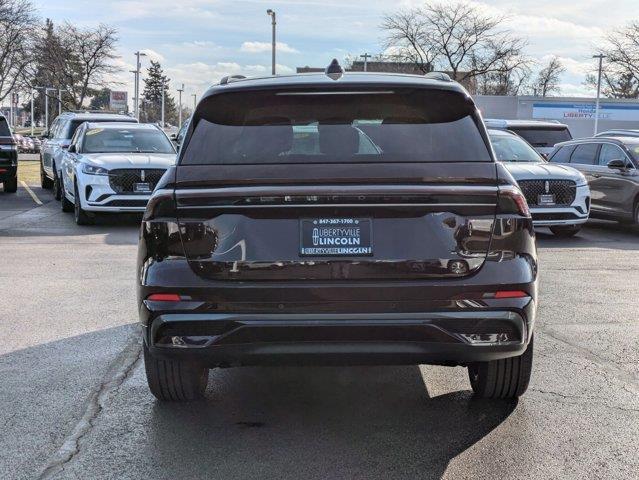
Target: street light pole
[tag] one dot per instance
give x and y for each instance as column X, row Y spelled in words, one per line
column 136, row 102
column 271, row 14
column 163, row 89
column 366, row 56
column 32, row 96
column 600, row 57
column 180, row 90
column 60, row 90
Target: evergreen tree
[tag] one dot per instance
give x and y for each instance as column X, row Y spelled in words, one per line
column 101, row 100
column 151, row 107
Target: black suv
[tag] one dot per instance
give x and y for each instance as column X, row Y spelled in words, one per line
column 337, row 219
column 8, row 158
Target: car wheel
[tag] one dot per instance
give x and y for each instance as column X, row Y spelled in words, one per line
column 565, row 231
column 636, row 213
column 57, row 191
column 11, row 185
column 45, row 182
column 175, row 380
column 505, row 378
column 81, row 216
column 65, row 204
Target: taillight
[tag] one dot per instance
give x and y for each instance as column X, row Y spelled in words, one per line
column 164, row 297
column 510, row 294
column 513, row 194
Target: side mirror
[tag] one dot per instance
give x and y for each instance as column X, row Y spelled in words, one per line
column 71, row 149
column 173, row 137
column 617, row 164
column 45, row 135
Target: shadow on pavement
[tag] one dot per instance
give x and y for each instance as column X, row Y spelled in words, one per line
column 328, row 422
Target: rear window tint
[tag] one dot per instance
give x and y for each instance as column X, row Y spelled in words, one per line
column 4, row 128
column 405, row 125
column 540, row 137
column 562, row 155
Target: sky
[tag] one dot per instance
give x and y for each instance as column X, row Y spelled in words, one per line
column 199, row 41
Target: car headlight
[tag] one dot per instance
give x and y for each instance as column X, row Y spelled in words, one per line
column 93, row 170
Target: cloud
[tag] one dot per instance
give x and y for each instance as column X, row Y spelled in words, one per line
column 153, row 55
column 260, row 47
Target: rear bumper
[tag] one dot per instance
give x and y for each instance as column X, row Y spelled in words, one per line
column 449, row 338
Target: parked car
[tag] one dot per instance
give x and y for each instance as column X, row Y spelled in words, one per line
column 21, row 142
column 58, row 138
column 542, row 135
column 315, row 221
column 558, row 196
column 610, row 165
column 8, row 158
column 113, row 167
column 619, row 132
column 37, row 144
column 178, row 138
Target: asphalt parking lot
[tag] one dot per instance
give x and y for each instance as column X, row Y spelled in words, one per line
column 74, row 401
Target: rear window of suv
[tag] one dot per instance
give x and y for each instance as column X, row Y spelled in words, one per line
column 543, row 137
column 346, row 126
column 4, row 128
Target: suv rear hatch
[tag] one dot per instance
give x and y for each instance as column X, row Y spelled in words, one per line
column 342, row 183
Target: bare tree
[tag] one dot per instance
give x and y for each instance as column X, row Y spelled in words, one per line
column 18, row 24
column 457, row 38
column 90, row 61
column 548, row 78
column 620, row 77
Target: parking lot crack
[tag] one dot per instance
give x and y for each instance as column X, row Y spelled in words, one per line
column 119, row 370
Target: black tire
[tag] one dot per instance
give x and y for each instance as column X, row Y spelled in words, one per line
column 45, row 182
column 636, row 216
column 65, row 204
column 81, row 216
column 11, row 185
column 565, row 231
column 507, row 378
column 57, row 191
column 173, row 380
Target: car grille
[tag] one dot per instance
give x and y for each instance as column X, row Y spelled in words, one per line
column 122, row 180
column 563, row 190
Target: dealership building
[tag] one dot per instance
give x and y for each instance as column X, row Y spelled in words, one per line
column 576, row 112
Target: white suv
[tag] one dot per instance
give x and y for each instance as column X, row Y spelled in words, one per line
column 58, row 138
column 558, row 196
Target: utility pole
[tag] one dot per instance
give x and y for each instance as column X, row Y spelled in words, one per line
column 600, row 57
column 271, row 14
column 163, row 89
column 46, row 105
column 180, row 90
column 136, row 102
column 366, row 56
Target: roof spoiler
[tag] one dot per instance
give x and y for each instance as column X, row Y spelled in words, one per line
column 231, row 78
column 441, row 76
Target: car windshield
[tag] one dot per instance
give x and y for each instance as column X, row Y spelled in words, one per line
column 343, row 126
column 74, row 124
column 543, row 137
column 126, row 140
column 510, row 148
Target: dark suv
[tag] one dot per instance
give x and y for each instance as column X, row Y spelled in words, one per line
column 611, row 167
column 8, row 158
column 337, row 219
